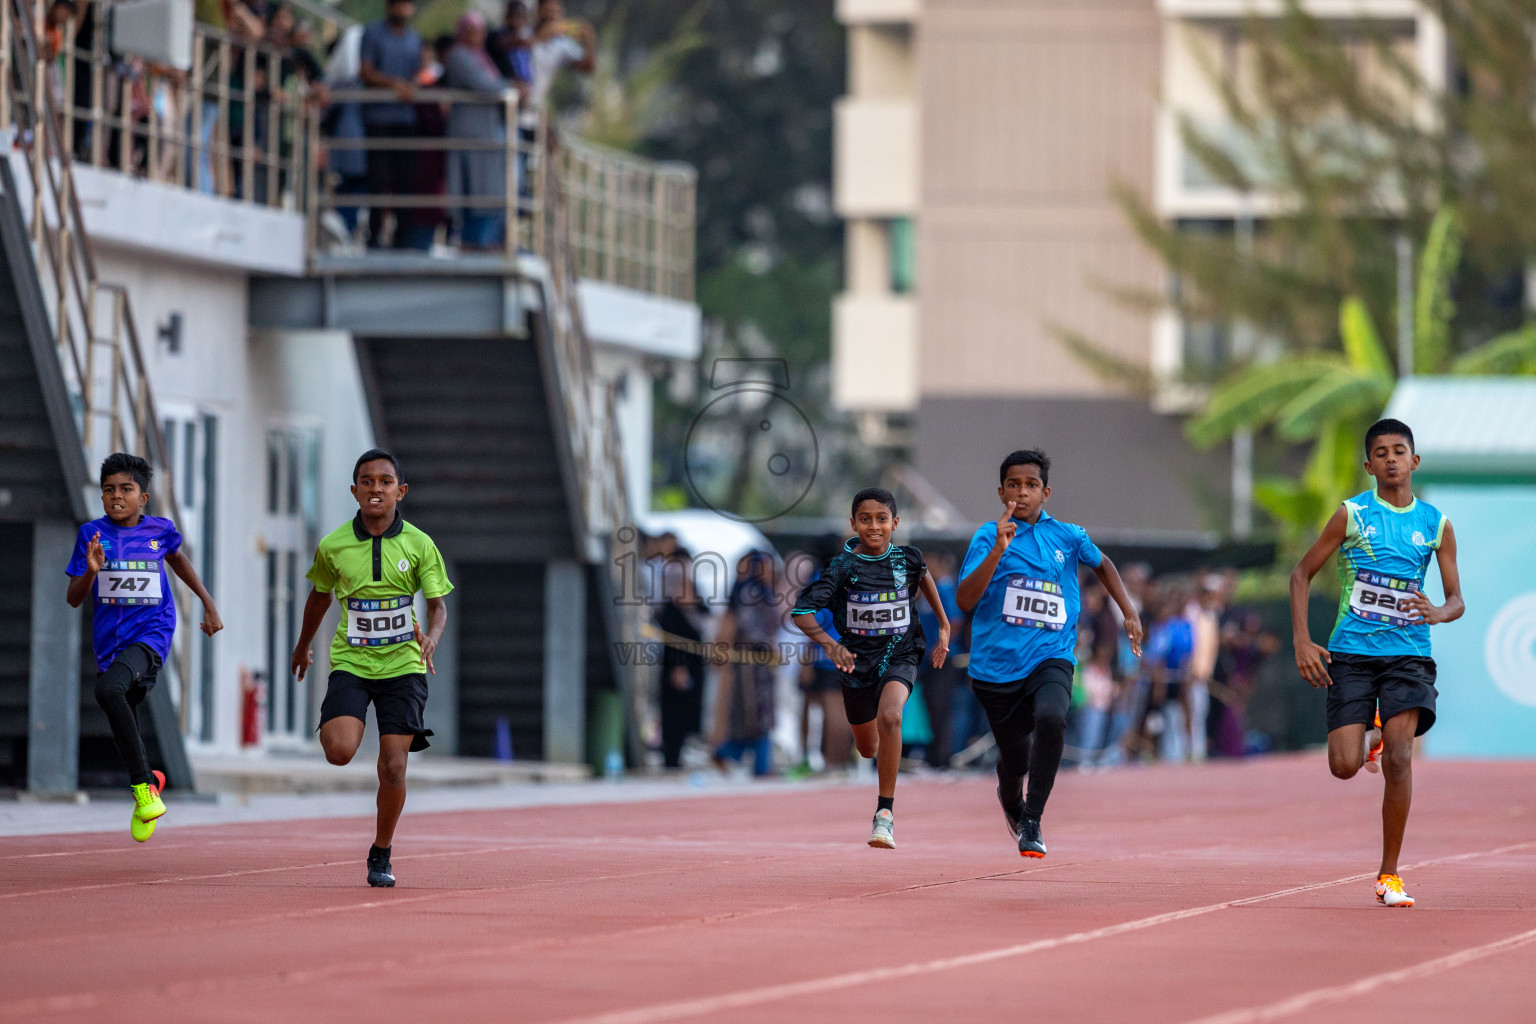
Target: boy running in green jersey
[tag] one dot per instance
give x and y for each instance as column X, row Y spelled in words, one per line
column 1377, row 666
column 374, row 565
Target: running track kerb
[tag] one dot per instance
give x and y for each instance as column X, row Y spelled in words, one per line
column 1220, row 894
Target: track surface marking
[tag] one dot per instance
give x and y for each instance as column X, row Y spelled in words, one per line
column 1232, row 894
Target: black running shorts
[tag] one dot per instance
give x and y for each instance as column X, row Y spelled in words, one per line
column 400, row 702
column 861, row 696
column 1397, row 683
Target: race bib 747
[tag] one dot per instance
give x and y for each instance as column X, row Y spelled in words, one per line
column 129, row 581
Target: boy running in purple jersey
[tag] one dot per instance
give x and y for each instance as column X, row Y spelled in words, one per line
column 120, row 562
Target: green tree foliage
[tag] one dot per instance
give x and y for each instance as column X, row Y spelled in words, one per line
column 1336, row 124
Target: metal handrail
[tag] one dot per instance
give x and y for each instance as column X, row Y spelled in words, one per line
column 118, row 392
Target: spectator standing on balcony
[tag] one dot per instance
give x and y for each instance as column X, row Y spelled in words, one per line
column 476, row 174
column 509, row 47
column 558, row 43
column 344, row 123
column 224, row 17
column 389, row 57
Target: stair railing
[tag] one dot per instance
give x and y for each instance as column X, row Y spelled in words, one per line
column 94, row 331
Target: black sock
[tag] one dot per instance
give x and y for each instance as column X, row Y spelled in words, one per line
column 380, row 852
column 885, row 803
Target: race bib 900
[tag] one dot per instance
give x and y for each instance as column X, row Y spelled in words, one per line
column 879, row 613
column 379, row 622
column 1378, row 598
column 127, row 581
column 1037, row 604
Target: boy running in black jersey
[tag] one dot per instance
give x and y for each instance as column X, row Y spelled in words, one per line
column 870, row 588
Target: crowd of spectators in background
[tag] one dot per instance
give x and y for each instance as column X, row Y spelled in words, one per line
column 726, row 689
column 232, row 134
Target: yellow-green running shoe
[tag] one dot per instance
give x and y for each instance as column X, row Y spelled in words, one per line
column 147, row 808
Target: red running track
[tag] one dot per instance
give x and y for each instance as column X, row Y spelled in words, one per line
column 1214, row 893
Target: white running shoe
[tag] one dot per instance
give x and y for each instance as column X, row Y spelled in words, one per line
column 1389, row 892
column 884, row 833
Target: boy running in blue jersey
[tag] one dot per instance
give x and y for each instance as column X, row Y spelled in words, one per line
column 1377, row 666
column 120, row 562
column 1019, row 584
column 871, row 588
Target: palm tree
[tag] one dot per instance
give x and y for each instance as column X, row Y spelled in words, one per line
column 1330, row 398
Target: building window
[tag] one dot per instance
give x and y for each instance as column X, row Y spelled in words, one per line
column 902, row 241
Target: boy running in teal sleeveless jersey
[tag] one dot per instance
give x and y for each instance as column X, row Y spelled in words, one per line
column 1377, row 666
column 374, row 565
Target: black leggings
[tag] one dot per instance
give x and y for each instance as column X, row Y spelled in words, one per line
column 119, row 691
column 1029, row 720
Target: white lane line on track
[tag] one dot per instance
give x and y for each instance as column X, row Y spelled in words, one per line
column 1319, row 996
column 717, row 1004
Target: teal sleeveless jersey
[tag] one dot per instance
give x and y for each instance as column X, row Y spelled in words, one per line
column 1385, row 553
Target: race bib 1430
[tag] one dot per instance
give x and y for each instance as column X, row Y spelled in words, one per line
column 379, row 622
column 879, row 613
column 1378, row 598
column 1037, row 604
column 128, row 581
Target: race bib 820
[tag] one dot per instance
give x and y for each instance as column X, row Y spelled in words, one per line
column 1378, row 598
column 379, row 622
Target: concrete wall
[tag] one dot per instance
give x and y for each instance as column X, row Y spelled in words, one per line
column 1031, row 110
column 1117, row 464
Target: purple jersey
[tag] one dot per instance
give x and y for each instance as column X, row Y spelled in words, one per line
column 131, row 598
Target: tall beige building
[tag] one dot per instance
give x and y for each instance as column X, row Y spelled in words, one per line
column 980, row 141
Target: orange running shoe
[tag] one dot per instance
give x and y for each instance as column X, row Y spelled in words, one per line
column 1373, row 756
column 1389, row 892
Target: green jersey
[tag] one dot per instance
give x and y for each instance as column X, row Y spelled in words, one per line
column 375, row 580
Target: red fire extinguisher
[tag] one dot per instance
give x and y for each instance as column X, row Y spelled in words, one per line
column 251, row 695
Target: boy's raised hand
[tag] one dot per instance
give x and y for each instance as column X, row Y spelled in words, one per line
column 1006, row 528
column 95, row 554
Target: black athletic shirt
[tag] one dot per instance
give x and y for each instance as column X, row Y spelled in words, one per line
column 871, row 599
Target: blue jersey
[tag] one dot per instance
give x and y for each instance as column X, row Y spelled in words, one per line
column 1028, row 612
column 1383, row 559
column 131, row 598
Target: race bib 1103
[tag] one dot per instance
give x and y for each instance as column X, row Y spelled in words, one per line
column 379, row 622
column 1037, row 604
column 879, row 613
column 1378, row 598
column 127, row 581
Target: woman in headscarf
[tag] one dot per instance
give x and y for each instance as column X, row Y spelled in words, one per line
column 476, row 173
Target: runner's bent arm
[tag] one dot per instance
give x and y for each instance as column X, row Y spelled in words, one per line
column 931, row 595
column 314, row 611
column 973, row 586
column 817, row 595
column 437, row 621
column 1450, row 581
column 181, row 565
column 1310, row 656
column 95, row 561
column 1109, row 578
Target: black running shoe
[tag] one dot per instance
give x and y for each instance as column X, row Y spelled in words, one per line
column 1010, row 814
column 380, row 875
column 1031, row 842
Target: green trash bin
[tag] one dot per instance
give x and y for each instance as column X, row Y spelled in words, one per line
column 605, row 729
